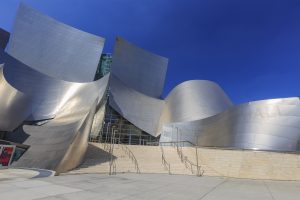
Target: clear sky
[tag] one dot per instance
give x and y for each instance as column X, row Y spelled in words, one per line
column 251, row 48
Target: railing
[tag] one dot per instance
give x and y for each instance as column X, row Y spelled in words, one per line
column 131, row 156
column 112, row 163
column 164, row 161
column 195, row 168
column 190, row 164
column 123, row 140
column 112, row 168
column 176, row 143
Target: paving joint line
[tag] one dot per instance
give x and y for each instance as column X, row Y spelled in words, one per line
column 214, row 188
column 266, row 185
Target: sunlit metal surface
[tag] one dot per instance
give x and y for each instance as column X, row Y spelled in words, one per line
column 34, row 96
column 193, row 100
column 262, row 125
column 141, row 110
column 140, row 70
column 137, row 81
column 4, row 37
column 64, row 139
column 47, row 97
column 53, row 48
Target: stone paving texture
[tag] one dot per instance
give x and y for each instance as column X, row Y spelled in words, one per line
column 147, row 186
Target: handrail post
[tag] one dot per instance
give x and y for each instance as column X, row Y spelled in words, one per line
column 111, row 150
column 198, row 170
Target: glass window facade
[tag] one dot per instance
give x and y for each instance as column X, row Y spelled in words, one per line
column 104, row 66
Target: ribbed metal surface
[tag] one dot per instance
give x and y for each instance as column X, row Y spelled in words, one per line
column 263, row 125
column 53, row 48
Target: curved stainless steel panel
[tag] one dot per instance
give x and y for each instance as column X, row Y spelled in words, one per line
column 141, row 70
column 141, row 110
column 4, row 37
column 32, row 93
column 47, row 95
column 63, row 140
column 53, row 48
column 193, row 100
column 14, row 105
column 263, row 125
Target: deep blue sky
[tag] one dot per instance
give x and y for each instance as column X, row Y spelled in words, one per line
column 251, row 48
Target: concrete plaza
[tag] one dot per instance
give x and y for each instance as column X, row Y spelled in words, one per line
column 146, row 186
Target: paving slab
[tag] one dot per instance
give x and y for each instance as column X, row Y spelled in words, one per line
column 147, row 186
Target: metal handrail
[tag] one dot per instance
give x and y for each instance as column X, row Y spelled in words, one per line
column 164, row 161
column 131, row 156
column 112, row 163
column 173, row 143
column 184, row 159
column 188, row 163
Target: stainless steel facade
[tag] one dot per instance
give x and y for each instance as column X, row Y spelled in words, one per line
column 53, row 48
column 141, row 110
column 199, row 111
column 48, row 96
column 272, row 125
column 193, row 100
column 137, row 81
column 138, row 69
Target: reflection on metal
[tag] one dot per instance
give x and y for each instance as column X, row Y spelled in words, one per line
column 138, row 69
column 200, row 109
column 98, row 121
column 141, row 110
column 41, row 107
column 127, row 132
column 192, row 100
column 4, row 37
column 64, row 139
column 272, row 125
column 53, row 48
column 51, row 99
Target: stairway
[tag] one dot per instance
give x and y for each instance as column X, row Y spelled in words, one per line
column 97, row 160
column 190, row 153
column 149, row 159
column 172, row 157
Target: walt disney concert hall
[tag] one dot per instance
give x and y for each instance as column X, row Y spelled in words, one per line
column 58, row 91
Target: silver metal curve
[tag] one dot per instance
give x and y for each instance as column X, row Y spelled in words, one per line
column 193, row 100
column 141, row 70
column 47, row 102
column 14, row 105
column 53, row 48
column 43, row 96
column 63, row 140
column 141, row 110
column 4, row 37
column 137, row 80
column 262, row 125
